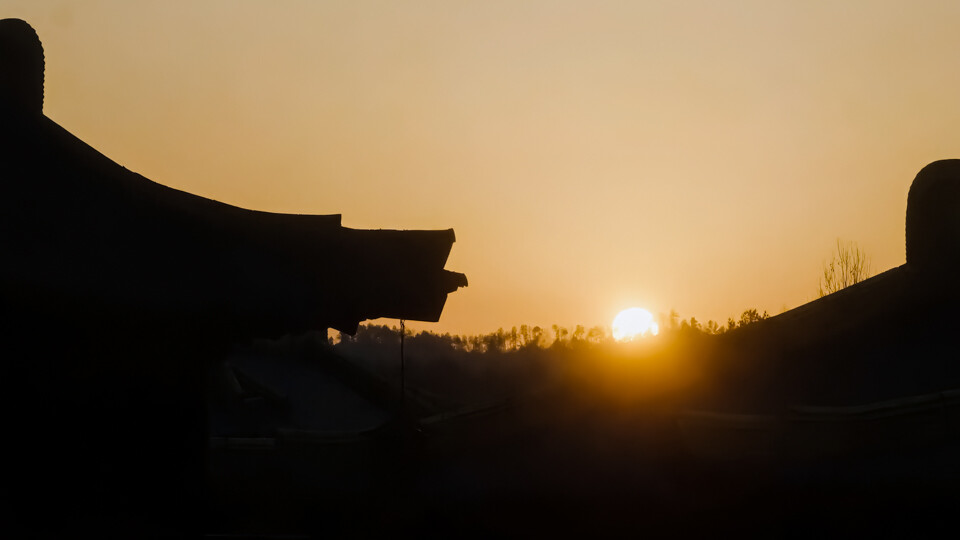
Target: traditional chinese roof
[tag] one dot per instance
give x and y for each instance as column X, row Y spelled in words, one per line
column 85, row 238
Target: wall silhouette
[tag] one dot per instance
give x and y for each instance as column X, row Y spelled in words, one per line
column 117, row 291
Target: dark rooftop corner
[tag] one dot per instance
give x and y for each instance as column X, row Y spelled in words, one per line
column 870, row 366
column 177, row 251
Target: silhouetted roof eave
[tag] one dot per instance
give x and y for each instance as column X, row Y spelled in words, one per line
column 109, row 236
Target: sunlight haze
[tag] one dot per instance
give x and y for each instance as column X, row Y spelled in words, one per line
column 591, row 156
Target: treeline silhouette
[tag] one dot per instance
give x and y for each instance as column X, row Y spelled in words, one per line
column 444, row 372
column 525, row 336
column 569, row 419
column 748, row 316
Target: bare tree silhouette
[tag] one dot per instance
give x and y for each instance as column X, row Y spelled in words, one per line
column 849, row 265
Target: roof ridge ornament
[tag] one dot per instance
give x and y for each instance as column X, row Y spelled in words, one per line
column 933, row 217
column 21, row 67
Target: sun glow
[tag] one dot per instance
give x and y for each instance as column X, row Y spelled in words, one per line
column 633, row 323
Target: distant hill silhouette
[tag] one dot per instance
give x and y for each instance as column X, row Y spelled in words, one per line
column 117, row 291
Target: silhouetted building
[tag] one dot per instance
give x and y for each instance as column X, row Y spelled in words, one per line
column 116, row 290
column 871, row 364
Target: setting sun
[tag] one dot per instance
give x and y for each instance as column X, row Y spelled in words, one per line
column 633, row 323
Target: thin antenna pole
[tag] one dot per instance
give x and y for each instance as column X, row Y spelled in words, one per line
column 403, row 380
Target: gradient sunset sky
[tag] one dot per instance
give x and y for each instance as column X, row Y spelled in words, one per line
column 593, row 155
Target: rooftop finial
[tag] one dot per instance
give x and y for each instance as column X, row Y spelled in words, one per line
column 933, row 217
column 21, row 67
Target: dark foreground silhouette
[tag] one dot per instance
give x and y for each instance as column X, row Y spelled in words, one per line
column 117, row 294
column 565, row 442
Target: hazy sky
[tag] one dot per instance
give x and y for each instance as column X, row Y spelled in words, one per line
column 591, row 155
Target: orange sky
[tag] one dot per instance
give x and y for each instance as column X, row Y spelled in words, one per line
column 591, row 155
